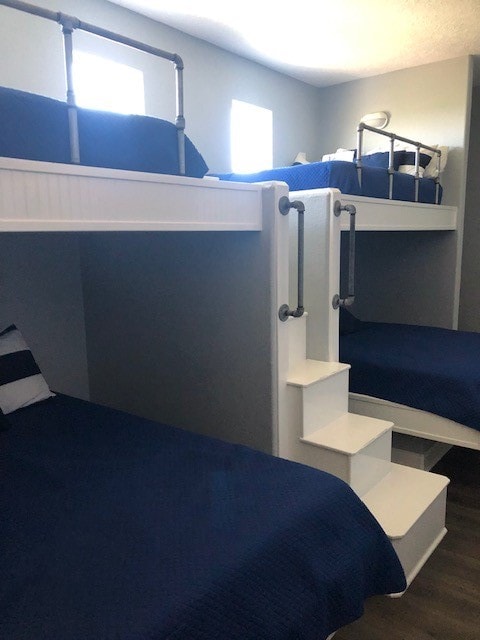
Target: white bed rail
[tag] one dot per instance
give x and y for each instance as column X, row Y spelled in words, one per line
column 393, row 137
column 69, row 24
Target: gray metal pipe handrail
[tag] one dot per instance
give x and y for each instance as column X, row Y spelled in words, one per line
column 337, row 301
column 69, row 24
column 393, row 137
column 284, row 206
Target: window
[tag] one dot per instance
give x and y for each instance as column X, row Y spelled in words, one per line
column 100, row 83
column 251, row 137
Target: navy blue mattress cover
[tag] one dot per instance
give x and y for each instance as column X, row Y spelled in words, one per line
column 342, row 175
column 428, row 368
column 118, row 527
column 35, row 127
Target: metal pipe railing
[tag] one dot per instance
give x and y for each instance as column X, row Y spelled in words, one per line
column 69, row 24
column 284, row 206
column 393, row 137
column 349, row 299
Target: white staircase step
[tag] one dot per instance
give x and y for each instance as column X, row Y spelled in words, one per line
column 322, row 392
column 349, row 434
column 410, row 506
column 309, row 372
column 354, row 448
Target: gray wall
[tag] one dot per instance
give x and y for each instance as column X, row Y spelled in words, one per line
column 41, row 292
column 32, row 60
column 178, row 330
column 409, row 277
column 470, row 291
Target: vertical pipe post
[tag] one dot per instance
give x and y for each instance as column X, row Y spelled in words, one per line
column 359, row 153
column 417, row 171
column 437, row 177
column 180, row 119
column 391, row 155
column 67, row 30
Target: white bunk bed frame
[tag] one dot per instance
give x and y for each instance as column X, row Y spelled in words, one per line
column 322, row 238
column 42, row 196
column 49, row 197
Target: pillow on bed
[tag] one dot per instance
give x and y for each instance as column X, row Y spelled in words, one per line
column 408, row 162
column 431, row 170
column 345, row 155
column 381, row 159
column 21, row 381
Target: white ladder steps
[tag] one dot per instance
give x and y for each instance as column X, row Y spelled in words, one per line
column 410, row 505
column 354, row 448
column 358, row 451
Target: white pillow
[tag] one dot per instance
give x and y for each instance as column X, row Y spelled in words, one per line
column 427, row 168
column 21, row 381
column 347, row 155
column 431, row 170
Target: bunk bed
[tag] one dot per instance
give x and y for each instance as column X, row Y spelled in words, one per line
column 426, row 379
column 117, row 525
column 378, row 197
column 387, row 188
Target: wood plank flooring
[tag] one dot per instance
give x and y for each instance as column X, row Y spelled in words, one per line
column 443, row 603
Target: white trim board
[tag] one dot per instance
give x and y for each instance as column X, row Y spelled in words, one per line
column 415, row 422
column 377, row 214
column 46, row 196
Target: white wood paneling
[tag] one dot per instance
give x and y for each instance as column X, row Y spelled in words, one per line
column 45, row 196
column 377, row 214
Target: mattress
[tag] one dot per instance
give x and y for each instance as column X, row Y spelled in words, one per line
column 34, row 127
column 342, row 175
column 428, row 368
column 117, row 527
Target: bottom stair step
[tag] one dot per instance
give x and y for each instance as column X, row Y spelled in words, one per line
column 410, row 506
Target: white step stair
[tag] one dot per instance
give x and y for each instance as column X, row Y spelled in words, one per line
column 408, row 503
column 410, row 506
column 354, row 448
column 323, row 387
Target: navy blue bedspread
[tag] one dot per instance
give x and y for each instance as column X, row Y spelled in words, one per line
column 427, row 368
column 116, row 527
column 337, row 174
column 34, row 127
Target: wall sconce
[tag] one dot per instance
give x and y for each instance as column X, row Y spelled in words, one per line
column 379, row 119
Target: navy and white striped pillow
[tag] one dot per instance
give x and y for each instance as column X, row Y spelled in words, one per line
column 21, row 381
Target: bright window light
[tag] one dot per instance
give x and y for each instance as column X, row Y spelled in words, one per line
column 251, row 137
column 103, row 84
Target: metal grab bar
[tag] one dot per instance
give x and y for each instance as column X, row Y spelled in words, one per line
column 393, row 136
column 337, row 301
column 69, row 24
column 284, row 206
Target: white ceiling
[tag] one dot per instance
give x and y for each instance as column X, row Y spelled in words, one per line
column 327, row 41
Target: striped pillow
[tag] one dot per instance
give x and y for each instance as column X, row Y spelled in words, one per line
column 21, row 382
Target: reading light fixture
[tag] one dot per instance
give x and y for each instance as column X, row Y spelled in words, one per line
column 379, row 119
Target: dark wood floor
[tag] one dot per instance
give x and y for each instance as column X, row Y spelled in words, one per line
column 443, row 603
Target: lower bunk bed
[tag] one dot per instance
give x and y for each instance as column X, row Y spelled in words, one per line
column 424, row 379
column 116, row 527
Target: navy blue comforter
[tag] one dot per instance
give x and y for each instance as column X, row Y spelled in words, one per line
column 35, row 127
column 427, row 368
column 115, row 527
column 337, row 174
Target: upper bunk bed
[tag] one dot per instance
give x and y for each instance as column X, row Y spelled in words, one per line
column 387, row 186
column 63, row 168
